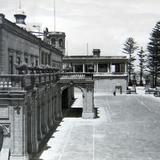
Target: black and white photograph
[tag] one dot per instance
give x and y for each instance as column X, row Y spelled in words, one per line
column 79, row 80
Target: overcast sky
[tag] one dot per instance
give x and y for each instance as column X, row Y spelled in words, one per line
column 103, row 24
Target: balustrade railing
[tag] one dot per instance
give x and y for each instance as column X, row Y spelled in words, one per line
column 76, row 75
column 26, row 81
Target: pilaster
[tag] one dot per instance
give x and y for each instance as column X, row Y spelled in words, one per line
column 88, row 103
column 19, row 130
column 83, row 68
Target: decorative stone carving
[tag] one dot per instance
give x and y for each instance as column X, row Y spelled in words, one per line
column 6, row 128
column 17, row 108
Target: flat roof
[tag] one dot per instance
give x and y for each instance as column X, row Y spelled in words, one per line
column 94, row 58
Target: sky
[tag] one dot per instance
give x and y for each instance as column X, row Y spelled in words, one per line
column 103, row 24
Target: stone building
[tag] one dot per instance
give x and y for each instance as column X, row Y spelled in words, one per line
column 110, row 72
column 30, row 98
column 33, row 92
column 19, row 47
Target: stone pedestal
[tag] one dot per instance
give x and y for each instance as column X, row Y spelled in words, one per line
column 88, row 115
column 88, row 103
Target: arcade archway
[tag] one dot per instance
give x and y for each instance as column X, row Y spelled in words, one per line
column 87, row 90
column 72, row 98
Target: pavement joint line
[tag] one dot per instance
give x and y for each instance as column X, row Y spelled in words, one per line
column 142, row 103
column 147, row 106
column 93, row 141
column 107, row 109
column 65, row 144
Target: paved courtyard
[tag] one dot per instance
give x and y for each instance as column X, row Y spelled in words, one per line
column 128, row 128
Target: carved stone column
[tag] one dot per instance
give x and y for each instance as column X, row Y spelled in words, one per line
column 83, row 68
column 97, row 68
column 39, row 118
column 46, row 110
column 59, row 105
column 19, row 129
column 34, row 123
column 50, row 109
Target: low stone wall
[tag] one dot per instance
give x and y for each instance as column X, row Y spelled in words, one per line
column 110, row 84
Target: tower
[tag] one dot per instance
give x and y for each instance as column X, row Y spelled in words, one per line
column 57, row 39
column 20, row 16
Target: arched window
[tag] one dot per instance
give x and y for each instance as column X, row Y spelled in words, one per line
column 53, row 41
column 60, row 42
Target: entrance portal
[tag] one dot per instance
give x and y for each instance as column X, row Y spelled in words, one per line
column 87, row 92
column 70, row 101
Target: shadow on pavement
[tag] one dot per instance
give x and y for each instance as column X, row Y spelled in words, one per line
column 72, row 112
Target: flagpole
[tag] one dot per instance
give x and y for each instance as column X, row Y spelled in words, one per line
column 54, row 15
column 19, row 4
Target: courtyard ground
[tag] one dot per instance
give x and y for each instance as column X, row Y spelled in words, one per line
column 128, row 128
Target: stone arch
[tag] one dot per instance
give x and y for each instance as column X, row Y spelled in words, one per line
column 73, row 85
column 88, row 110
column 60, row 42
column 67, row 95
column 53, row 41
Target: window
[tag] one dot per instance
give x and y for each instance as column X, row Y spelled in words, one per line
column 78, row 68
column 102, row 67
column 32, row 60
column 49, row 59
column 36, row 62
column 42, row 58
column 10, row 64
column 26, row 60
column 53, row 41
column 46, row 59
column 61, row 43
column 117, row 67
column 18, row 60
column 89, row 68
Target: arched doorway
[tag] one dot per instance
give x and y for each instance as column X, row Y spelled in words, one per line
column 69, row 108
column 87, row 88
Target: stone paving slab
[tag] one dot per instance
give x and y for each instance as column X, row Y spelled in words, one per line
column 128, row 128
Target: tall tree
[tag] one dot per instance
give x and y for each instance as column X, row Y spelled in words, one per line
column 153, row 57
column 142, row 66
column 129, row 49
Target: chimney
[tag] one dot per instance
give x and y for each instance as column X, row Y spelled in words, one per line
column 96, row 52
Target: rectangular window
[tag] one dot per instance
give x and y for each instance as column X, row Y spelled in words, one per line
column 32, row 60
column 102, row 67
column 10, row 64
column 49, row 59
column 78, row 68
column 36, row 62
column 117, row 67
column 18, row 60
column 46, row 59
column 26, row 60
